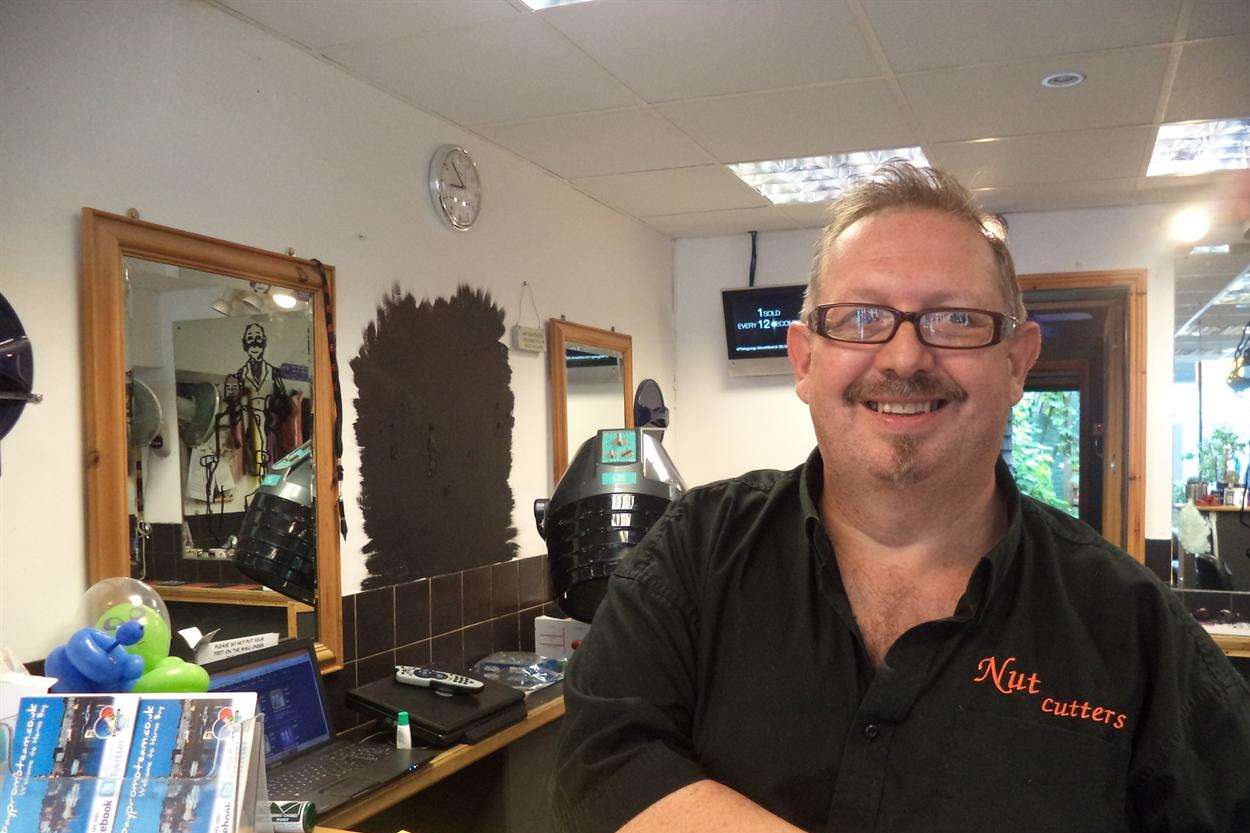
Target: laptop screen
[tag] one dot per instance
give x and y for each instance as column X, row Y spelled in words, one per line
column 288, row 692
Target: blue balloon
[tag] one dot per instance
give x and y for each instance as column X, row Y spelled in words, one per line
column 94, row 661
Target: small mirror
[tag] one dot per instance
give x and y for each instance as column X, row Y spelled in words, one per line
column 591, row 381
column 207, row 387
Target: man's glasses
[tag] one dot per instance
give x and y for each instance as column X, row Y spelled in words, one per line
column 948, row 327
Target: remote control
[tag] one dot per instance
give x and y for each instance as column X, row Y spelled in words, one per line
column 437, row 681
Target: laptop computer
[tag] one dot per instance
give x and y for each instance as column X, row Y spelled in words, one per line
column 304, row 761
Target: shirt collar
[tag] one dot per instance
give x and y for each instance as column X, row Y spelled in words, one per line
column 994, row 565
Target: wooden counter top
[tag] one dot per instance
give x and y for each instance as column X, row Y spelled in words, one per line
column 447, row 763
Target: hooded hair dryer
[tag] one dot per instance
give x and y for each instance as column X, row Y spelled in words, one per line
column 617, row 486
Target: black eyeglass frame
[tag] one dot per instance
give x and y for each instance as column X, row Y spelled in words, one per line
column 1004, row 325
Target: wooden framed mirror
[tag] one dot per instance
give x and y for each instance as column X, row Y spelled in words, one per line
column 204, row 362
column 591, row 386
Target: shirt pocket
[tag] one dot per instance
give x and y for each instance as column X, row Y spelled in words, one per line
column 1005, row 773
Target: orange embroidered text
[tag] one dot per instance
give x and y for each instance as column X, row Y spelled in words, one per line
column 1005, row 678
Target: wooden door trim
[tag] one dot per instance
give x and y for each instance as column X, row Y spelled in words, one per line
column 1134, row 280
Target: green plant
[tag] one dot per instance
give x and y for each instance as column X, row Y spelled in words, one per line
column 1045, row 447
column 1217, row 454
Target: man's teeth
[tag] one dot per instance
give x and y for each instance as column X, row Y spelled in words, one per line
column 904, row 407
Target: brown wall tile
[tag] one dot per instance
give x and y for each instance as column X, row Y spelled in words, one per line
column 477, row 595
column 418, row 654
column 376, row 667
column 478, row 640
column 531, row 583
column 412, row 611
column 447, row 651
column 504, row 596
column 445, row 604
column 506, row 633
column 375, row 621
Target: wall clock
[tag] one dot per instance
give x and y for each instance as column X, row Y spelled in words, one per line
column 455, row 187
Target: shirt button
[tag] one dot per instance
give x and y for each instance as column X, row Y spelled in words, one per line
column 871, row 731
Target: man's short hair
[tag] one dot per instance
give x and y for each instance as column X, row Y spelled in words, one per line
column 899, row 185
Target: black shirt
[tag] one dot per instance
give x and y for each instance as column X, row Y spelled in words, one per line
column 1070, row 691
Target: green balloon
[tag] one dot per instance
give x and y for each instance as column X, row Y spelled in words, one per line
column 172, row 674
column 154, row 646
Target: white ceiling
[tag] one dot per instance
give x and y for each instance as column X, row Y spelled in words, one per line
column 641, row 103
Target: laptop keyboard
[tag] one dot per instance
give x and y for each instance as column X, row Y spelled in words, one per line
column 321, row 767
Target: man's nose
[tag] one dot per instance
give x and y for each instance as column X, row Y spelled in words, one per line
column 905, row 354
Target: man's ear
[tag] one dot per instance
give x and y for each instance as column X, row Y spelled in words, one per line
column 1023, row 348
column 799, row 350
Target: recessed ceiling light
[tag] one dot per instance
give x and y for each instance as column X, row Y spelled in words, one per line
column 536, row 5
column 1199, row 147
column 1190, row 225
column 819, row 178
column 1063, row 80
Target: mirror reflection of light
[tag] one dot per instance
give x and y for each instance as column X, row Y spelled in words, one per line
column 284, row 300
column 1190, row 225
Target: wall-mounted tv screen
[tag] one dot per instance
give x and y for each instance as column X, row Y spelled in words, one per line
column 756, row 320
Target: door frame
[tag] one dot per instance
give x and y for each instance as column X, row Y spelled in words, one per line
column 1134, row 343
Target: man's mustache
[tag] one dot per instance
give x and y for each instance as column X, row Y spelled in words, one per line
column 920, row 386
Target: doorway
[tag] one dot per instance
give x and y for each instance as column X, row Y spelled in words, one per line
column 1075, row 441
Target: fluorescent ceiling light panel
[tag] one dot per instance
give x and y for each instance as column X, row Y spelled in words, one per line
column 536, row 5
column 819, row 178
column 1200, row 147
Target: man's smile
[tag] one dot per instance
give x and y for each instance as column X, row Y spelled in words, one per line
column 906, row 408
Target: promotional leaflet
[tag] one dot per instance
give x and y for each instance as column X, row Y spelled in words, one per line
column 126, row 763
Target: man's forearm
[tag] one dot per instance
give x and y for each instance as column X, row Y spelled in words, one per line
column 706, row 806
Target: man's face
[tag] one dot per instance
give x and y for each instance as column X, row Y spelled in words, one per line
column 910, row 260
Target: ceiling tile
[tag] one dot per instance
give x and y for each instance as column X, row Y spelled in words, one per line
column 501, row 71
column 1120, row 88
column 1212, row 81
column 731, row 221
column 664, row 50
column 1214, row 18
column 593, row 144
column 1048, row 197
column 929, row 35
column 321, row 23
column 1109, row 153
column 859, row 115
column 807, row 214
column 679, row 191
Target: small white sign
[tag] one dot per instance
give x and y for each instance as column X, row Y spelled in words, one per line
column 528, row 339
column 233, row 647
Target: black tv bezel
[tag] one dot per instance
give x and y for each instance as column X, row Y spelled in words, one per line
column 739, row 291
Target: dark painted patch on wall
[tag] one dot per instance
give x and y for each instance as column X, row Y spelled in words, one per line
column 434, row 426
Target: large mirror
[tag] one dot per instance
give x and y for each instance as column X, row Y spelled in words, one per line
column 1211, row 415
column 591, row 386
column 206, row 371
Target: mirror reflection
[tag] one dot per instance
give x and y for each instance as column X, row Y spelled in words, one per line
column 1211, row 415
column 218, row 390
column 596, row 384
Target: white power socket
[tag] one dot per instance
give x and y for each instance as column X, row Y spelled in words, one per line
column 528, row 339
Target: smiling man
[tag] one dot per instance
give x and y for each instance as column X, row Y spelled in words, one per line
column 890, row 637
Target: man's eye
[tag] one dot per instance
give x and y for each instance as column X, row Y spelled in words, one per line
column 955, row 319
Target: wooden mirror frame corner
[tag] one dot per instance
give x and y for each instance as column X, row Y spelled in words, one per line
column 106, row 239
column 559, row 334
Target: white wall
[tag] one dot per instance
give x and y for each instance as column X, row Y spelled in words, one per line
column 205, row 123
column 732, row 424
column 747, row 423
